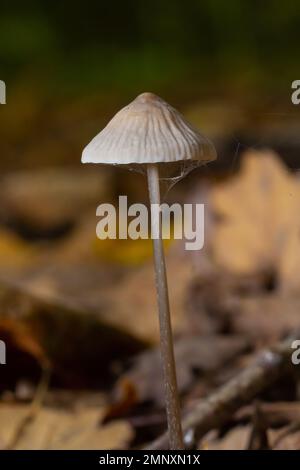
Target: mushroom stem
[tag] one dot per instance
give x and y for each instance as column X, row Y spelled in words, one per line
column 166, row 337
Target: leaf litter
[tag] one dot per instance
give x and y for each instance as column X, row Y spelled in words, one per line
column 239, row 296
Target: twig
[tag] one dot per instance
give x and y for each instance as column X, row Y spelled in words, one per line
column 219, row 407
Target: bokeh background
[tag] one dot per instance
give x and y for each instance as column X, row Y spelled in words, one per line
column 69, row 66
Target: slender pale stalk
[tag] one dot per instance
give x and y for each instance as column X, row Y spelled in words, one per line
column 166, row 337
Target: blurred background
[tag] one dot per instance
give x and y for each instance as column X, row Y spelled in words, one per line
column 68, row 68
column 77, row 312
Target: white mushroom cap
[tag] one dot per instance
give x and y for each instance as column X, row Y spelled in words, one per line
column 148, row 130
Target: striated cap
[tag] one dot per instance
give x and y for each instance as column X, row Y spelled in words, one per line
column 148, row 130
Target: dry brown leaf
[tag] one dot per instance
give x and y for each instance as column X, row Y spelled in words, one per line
column 75, row 339
column 266, row 318
column 15, row 253
column 56, row 429
column 258, row 228
column 286, row 438
column 193, row 353
column 17, row 334
column 92, row 288
column 73, row 272
column 235, row 439
column 134, row 309
column 275, row 413
column 243, row 306
column 51, row 197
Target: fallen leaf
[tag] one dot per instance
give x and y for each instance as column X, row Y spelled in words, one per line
column 134, row 309
column 193, row 354
column 235, row 439
column 287, row 438
column 43, row 200
column 265, row 318
column 75, row 340
column 17, row 333
column 15, row 253
column 258, row 225
column 57, row 429
column 275, row 414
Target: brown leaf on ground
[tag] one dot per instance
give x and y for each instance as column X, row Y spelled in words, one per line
column 48, row 198
column 194, row 355
column 235, row 439
column 75, row 340
column 73, row 274
column 265, row 318
column 258, row 226
column 17, row 333
column 275, row 413
column 57, row 429
column 134, row 309
column 125, row 398
column 242, row 305
column 284, row 438
column 287, row 438
column 15, row 253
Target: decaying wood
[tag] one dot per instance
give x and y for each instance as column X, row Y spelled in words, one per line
column 211, row 413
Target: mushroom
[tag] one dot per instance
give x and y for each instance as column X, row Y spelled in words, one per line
column 149, row 132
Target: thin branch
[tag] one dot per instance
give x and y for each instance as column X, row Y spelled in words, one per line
column 217, row 409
